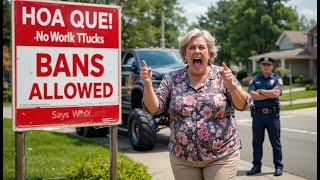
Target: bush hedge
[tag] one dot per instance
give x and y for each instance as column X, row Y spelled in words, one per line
column 245, row 81
column 100, row 169
column 258, row 71
column 310, row 87
column 7, row 96
column 241, row 74
column 284, row 74
column 302, row 80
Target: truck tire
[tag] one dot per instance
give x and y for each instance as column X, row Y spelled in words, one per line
column 142, row 130
column 88, row 131
column 80, row 131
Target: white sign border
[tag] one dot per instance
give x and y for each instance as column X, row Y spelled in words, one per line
column 13, row 57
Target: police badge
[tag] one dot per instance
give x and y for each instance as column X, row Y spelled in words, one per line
column 271, row 82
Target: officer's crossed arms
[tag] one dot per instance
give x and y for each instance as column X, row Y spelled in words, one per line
column 261, row 94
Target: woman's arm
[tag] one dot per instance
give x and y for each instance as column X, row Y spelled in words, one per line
column 240, row 97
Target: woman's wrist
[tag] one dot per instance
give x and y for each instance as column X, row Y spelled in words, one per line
column 147, row 85
column 232, row 87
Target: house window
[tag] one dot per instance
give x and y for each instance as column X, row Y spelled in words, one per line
column 286, row 44
column 314, row 40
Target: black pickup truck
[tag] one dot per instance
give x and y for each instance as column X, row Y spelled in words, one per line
column 142, row 127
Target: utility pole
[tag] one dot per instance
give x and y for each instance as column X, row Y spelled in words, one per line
column 162, row 40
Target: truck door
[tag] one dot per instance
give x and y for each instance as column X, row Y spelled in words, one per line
column 128, row 78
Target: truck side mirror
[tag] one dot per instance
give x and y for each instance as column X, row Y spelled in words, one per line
column 134, row 66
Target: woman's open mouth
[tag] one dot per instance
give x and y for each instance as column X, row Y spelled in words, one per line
column 197, row 62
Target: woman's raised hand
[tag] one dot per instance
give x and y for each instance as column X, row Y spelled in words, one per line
column 226, row 74
column 146, row 74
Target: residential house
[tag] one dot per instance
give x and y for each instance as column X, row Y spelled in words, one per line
column 297, row 51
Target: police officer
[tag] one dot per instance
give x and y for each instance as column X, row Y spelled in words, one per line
column 265, row 90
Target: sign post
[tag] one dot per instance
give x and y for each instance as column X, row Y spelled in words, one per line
column 113, row 152
column 19, row 155
column 66, row 65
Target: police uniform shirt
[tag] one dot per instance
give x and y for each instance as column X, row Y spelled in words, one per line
column 260, row 82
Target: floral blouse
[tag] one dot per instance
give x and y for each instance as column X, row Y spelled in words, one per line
column 201, row 124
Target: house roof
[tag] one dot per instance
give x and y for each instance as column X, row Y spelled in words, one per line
column 296, row 37
column 310, row 28
column 297, row 53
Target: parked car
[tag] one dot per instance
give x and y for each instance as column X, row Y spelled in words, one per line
column 142, row 127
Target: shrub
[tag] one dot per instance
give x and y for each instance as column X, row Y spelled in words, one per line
column 313, row 87
column 284, row 73
column 245, row 81
column 308, row 87
column 6, row 86
column 241, row 74
column 7, row 96
column 100, row 169
column 256, row 72
column 302, row 79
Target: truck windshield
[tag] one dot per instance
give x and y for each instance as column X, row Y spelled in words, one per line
column 162, row 58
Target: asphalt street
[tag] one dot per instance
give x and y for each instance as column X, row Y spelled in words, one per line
column 298, row 138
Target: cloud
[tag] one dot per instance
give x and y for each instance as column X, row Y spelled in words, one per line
column 310, row 14
column 306, row 7
column 293, row 2
column 192, row 11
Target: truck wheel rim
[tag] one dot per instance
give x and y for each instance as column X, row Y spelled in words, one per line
column 134, row 130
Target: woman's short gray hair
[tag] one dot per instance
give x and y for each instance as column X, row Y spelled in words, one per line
column 212, row 45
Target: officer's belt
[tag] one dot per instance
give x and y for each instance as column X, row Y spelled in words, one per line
column 266, row 110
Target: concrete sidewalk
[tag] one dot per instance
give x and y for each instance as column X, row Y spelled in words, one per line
column 294, row 89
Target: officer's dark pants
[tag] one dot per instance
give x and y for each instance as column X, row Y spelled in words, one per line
column 271, row 122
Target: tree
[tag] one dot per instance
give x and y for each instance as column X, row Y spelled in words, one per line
column 247, row 27
column 216, row 20
column 174, row 22
column 141, row 22
column 256, row 25
column 6, row 36
column 6, row 63
column 136, row 19
column 304, row 23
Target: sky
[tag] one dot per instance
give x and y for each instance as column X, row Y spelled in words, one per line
column 196, row 8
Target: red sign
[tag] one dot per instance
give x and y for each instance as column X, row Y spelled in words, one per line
column 66, row 64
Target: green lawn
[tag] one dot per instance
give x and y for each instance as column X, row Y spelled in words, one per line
column 298, row 106
column 295, row 95
column 50, row 153
column 285, row 87
column 298, row 95
column 7, row 104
